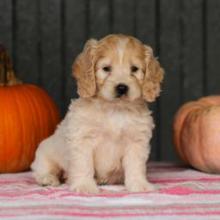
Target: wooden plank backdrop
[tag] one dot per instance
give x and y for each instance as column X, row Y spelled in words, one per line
column 44, row 37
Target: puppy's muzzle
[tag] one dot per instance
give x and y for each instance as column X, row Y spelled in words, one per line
column 121, row 89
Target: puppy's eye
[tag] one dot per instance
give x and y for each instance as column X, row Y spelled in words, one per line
column 107, row 68
column 134, row 69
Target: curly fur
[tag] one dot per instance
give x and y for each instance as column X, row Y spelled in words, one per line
column 153, row 77
column 83, row 70
column 105, row 139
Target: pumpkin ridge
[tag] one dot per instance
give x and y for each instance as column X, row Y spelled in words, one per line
column 54, row 116
column 31, row 122
column 4, row 120
column 178, row 126
column 30, row 101
column 19, row 129
column 38, row 121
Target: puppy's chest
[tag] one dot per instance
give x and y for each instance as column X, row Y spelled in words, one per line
column 116, row 122
column 112, row 134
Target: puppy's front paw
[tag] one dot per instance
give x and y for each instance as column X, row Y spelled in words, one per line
column 140, row 186
column 86, row 186
column 47, row 180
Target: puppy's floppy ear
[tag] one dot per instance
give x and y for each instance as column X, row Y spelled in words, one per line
column 84, row 70
column 153, row 76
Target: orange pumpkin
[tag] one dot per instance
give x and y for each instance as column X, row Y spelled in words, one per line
column 27, row 116
column 196, row 133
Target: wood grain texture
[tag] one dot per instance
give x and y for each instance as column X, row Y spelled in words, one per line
column 27, row 40
column 99, row 18
column 212, row 79
column 75, row 35
column 6, row 24
column 191, row 66
column 170, row 58
column 50, row 44
column 124, row 16
column 146, row 22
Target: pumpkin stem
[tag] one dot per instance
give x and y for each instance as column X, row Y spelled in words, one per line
column 7, row 74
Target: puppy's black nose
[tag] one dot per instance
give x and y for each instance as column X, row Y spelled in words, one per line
column 121, row 89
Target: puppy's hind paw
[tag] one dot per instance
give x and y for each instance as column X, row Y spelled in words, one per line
column 84, row 187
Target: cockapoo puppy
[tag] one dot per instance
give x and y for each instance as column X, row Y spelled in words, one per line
column 104, row 137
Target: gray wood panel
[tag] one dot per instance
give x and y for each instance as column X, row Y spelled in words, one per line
column 6, row 24
column 75, row 35
column 123, row 16
column 99, row 18
column 51, row 75
column 170, row 59
column 27, row 40
column 212, row 79
column 192, row 53
column 146, row 22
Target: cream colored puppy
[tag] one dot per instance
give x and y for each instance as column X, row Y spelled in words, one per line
column 105, row 135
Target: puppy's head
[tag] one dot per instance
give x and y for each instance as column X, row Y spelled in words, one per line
column 118, row 67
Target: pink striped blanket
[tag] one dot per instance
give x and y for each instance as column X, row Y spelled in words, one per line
column 182, row 193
